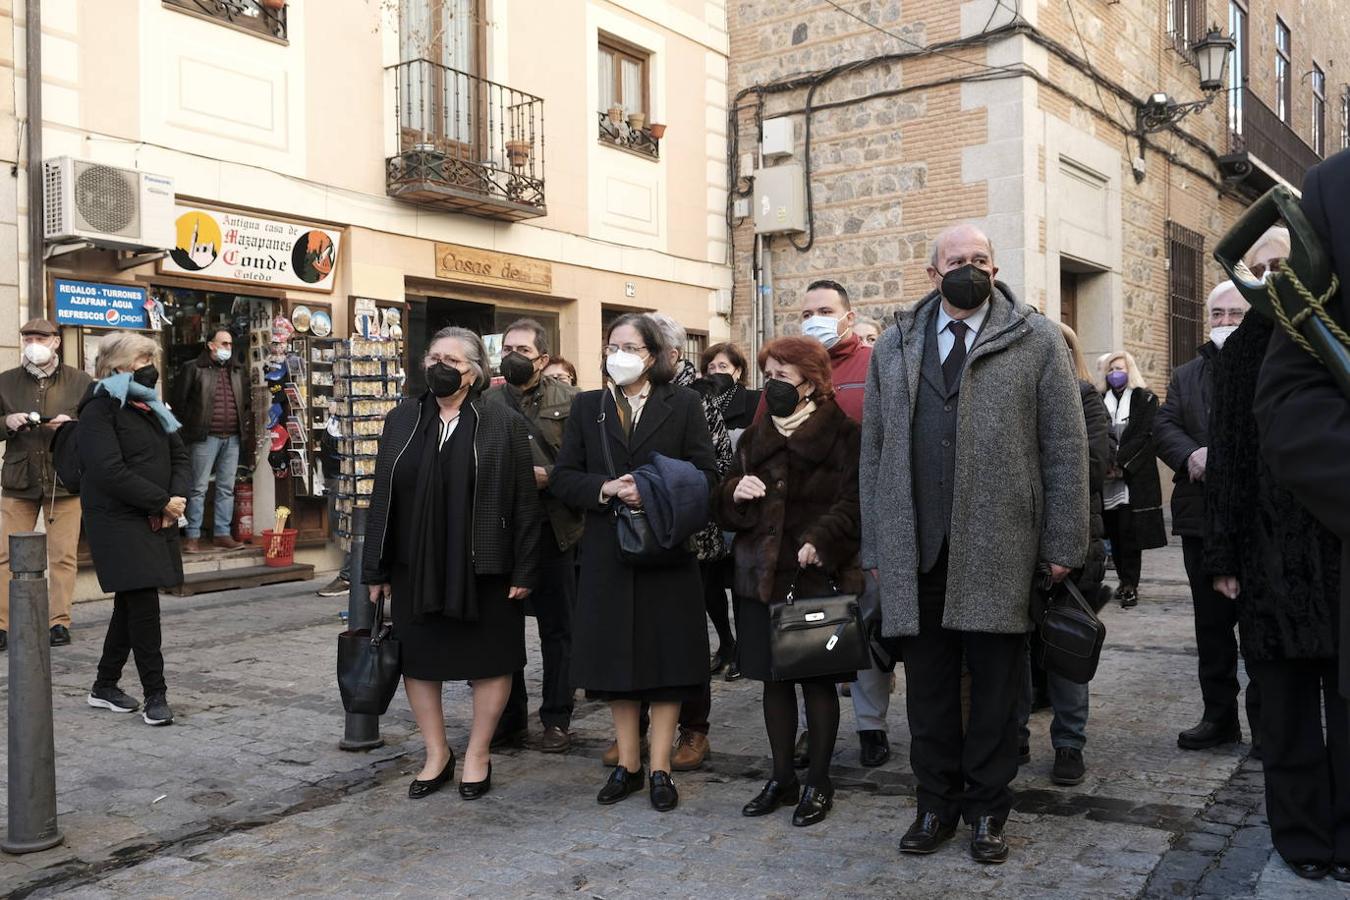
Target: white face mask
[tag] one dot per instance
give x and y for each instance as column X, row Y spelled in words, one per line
column 823, row 328
column 37, row 354
column 1221, row 333
column 624, row 368
column 223, row 354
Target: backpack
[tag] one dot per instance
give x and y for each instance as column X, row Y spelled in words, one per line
column 65, row 449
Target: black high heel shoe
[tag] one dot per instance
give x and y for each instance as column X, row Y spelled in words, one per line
column 472, row 790
column 419, row 789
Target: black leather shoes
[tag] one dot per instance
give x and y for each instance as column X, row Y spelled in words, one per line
column 775, row 794
column 801, row 756
column 986, row 841
column 4, row 641
column 1209, row 734
column 1313, row 871
column 472, row 790
column 1341, row 871
column 1128, row 596
column 813, row 807
column 926, row 834
column 733, row 672
column 725, row 656
column 874, row 748
column 664, row 796
column 509, row 735
column 621, row 783
column 419, row 789
column 60, row 635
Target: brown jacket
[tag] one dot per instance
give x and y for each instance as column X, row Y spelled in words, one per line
column 812, row 497
column 28, row 472
column 194, row 392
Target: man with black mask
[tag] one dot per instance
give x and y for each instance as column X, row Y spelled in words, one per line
column 545, row 403
column 974, row 471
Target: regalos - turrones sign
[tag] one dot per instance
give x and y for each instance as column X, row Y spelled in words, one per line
column 231, row 246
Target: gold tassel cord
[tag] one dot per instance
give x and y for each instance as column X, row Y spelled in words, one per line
column 1316, row 306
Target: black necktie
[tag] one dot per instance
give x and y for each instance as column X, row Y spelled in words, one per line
column 956, row 357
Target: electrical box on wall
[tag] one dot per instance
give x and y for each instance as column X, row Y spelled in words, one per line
column 780, row 199
column 777, row 139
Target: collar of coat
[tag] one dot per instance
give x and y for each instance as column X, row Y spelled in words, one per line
column 812, row 440
column 1006, row 323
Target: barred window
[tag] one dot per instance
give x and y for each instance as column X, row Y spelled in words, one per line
column 1185, row 292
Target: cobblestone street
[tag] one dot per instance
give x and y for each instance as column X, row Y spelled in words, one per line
column 248, row 795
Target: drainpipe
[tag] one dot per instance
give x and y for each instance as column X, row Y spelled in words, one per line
column 37, row 288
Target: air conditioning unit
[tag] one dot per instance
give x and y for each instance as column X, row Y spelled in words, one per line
column 112, row 208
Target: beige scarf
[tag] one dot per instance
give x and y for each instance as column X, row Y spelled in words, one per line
column 789, row 424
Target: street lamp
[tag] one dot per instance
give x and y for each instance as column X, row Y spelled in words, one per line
column 1211, row 55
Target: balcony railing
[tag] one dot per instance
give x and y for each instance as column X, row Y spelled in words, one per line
column 1257, row 131
column 466, row 144
column 247, row 15
column 621, row 134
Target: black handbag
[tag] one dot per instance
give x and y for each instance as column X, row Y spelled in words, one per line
column 638, row 546
column 1071, row 635
column 368, row 667
column 817, row 636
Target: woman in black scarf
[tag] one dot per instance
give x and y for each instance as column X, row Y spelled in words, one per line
column 452, row 541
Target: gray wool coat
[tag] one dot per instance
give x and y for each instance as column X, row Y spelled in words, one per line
column 1021, row 484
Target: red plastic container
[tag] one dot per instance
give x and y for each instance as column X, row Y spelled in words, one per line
column 243, row 512
column 279, row 549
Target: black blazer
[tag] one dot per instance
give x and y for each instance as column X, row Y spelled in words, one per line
column 740, row 411
column 1182, row 428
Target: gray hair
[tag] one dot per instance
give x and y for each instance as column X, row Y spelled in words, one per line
column 948, row 232
column 672, row 332
column 1220, row 289
column 119, row 349
column 475, row 353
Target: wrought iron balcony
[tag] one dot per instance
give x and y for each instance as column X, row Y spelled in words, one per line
column 1255, row 130
column 260, row 16
column 620, row 133
column 466, row 144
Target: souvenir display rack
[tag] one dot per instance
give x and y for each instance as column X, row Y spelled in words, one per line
column 367, row 383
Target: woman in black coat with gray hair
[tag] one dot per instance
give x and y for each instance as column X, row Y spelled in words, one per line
column 452, row 540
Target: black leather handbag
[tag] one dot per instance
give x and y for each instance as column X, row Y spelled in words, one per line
column 638, row 546
column 817, row 636
column 368, row 667
column 1071, row 635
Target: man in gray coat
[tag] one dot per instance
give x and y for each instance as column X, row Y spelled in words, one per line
column 974, row 470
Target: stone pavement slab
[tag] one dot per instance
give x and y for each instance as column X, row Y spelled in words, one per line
column 248, row 795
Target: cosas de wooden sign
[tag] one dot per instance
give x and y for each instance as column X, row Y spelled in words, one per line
column 456, row 263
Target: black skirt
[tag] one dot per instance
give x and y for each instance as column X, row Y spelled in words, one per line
column 435, row 648
column 752, row 645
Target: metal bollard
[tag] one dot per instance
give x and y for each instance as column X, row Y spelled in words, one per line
column 32, row 748
column 361, row 732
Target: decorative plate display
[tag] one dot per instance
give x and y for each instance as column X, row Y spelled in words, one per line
column 320, row 324
column 300, row 318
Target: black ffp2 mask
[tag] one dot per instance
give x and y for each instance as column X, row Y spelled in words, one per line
column 444, row 380
column 517, row 369
column 146, row 376
column 967, row 287
column 781, row 398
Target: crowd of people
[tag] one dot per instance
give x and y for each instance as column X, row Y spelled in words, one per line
column 931, row 465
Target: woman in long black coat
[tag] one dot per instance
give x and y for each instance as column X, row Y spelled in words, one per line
column 638, row 633
column 133, row 489
column 1133, row 491
column 1282, row 568
column 792, row 498
column 452, row 539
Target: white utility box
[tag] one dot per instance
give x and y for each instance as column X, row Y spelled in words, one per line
column 780, row 199
column 778, row 141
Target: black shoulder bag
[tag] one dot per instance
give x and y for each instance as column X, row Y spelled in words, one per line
column 368, row 666
column 638, row 546
column 1070, row 634
column 817, row 636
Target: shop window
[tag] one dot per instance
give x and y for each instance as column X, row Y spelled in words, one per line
column 1185, row 292
column 427, row 315
column 695, row 342
column 261, row 17
column 623, row 96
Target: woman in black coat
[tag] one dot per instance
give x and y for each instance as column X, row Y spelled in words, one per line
column 133, row 489
column 792, row 498
column 638, row 633
column 452, row 539
column 1132, row 496
column 1281, row 567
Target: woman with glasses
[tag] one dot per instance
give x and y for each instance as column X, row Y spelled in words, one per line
column 638, row 633
column 562, row 370
column 452, row 541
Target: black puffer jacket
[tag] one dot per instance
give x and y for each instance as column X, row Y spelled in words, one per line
column 1182, row 428
column 1287, row 563
column 506, row 513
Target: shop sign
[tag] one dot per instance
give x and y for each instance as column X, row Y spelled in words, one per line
column 95, row 305
column 230, row 246
column 469, row 264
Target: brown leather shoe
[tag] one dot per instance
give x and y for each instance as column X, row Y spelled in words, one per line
column 691, row 748
column 611, row 757
column 225, row 542
column 557, row 740
column 192, row 545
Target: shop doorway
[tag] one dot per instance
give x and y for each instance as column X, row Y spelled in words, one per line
column 427, row 315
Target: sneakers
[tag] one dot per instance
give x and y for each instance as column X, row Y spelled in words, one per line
column 336, row 588
column 157, row 710
column 1069, row 768
column 60, row 635
column 112, row 698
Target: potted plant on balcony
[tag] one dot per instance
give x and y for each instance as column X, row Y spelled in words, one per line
column 272, row 5
column 636, row 120
column 656, row 130
column 615, row 115
column 519, row 152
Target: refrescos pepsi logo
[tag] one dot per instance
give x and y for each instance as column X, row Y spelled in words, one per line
column 112, row 316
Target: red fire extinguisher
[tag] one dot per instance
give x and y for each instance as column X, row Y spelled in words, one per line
column 243, row 511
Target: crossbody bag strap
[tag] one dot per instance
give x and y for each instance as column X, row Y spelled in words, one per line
column 604, row 433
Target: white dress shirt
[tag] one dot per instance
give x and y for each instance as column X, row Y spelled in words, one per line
column 946, row 339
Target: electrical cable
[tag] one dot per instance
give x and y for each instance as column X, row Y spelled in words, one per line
column 900, row 37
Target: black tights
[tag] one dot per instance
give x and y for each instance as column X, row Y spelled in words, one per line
column 822, row 721
column 715, row 600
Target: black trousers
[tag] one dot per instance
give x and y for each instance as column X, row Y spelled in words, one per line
column 1307, row 769
column 966, row 775
column 1129, row 559
column 551, row 603
column 134, row 627
column 1216, row 641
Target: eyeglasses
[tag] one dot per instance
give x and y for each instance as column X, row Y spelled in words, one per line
column 611, row 349
column 432, row 360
